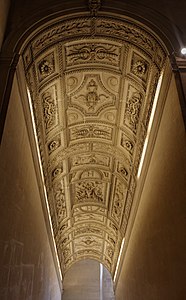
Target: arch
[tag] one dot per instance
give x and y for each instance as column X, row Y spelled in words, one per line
column 21, row 28
column 94, row 284
column 92, row 82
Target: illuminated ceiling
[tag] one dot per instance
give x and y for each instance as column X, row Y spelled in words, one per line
column 92, row 81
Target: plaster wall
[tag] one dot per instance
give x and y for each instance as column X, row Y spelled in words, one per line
column 155, row 263
column 85, row 281
column 26, row 264
column 81, row 281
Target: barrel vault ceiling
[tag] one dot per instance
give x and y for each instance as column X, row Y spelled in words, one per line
column 92, row 82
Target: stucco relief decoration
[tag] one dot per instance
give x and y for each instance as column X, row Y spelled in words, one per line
column 87, row 159
column 61, row 31
column 123, row 171
column 111, row 240
column 88, row 242
column 110, row 252
column 89, row 191
column 54, row 144
column 92, row 96
column 118, row 200
column 60, row 203
column 92, row 80
column 139, row 67
column 46, row 66
column 91, row 131
column 132, row 113
column 66, row 253
column 129, row 33
column 88, row 229
column 57, row 171
column 89, row 208
column 96, row 52
column 127, row 144
column 88, row 253
column 49, row 107
column 151, row 95
column 89, row 217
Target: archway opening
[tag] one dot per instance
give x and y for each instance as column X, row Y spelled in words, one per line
column 88, row 279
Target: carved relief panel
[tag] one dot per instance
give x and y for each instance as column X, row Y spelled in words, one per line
column 92, row 98
column 118, row 202
column 93, row 52
column 134, row 103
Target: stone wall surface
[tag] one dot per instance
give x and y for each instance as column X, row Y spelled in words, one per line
column 26, row 264
column 85, row 281
column 155, row 263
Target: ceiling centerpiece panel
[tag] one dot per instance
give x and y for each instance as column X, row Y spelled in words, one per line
column 92, row 82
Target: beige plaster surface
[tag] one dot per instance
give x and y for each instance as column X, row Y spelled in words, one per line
column 84, row 281
column 26, row 265
column 155, row 263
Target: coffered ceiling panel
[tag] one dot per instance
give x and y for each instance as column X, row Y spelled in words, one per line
column 92, row 81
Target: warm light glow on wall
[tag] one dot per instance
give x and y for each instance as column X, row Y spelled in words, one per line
column 119, row 258
column 101, row 281
column 150, row 125
column 42, row 176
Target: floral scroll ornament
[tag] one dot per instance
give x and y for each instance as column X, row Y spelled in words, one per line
column 59, row 196
column 89, row 191
column 91, row 98
column 139, row 68
column 46, row 68
column 49, row 109
column 53, row 145
column 133, row 110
